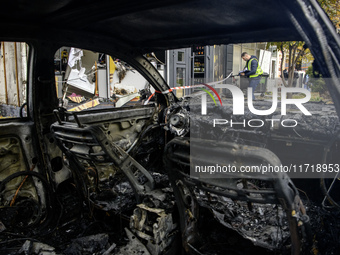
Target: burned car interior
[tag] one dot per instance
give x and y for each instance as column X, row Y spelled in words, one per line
column 113, row 174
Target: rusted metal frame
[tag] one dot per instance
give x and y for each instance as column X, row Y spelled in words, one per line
column 112, row 151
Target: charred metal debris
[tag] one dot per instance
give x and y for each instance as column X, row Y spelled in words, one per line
column 120, row 184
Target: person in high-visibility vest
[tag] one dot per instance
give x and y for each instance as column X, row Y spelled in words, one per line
column 252, row 70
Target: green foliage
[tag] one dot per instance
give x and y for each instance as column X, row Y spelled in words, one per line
column 316, row 99
column 332, row 9
column 310, row 71
column 316, row 84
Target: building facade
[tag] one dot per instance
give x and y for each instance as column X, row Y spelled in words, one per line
column 203, row 64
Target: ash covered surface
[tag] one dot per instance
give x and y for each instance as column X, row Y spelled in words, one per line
column 265, row 225
column 325, row 225
column 82, row 228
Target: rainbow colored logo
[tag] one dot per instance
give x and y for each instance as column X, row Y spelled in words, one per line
column 213, row 90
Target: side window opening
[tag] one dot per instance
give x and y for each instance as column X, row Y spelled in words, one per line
column 13, row 79
column 90, row 80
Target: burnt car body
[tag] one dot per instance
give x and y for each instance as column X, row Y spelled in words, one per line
column 86, row 184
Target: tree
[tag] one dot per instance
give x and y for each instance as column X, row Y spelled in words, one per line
column 297, row 51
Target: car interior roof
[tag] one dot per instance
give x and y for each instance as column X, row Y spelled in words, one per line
column 152, row 25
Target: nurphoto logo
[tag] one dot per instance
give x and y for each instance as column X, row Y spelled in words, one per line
column 238, row 100
column 238, row 106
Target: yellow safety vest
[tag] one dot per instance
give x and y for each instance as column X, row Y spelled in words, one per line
column 258, row 70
